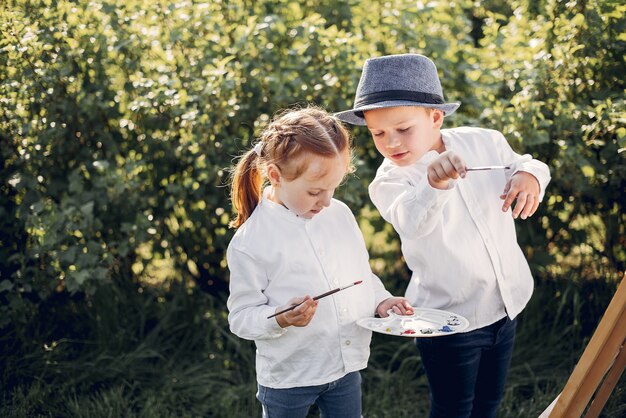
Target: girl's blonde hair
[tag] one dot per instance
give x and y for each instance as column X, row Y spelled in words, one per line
column 288, row 137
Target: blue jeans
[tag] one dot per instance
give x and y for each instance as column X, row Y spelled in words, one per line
column 467, row 372
column 338, row 399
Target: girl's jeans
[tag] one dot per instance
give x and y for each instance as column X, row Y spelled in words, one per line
column 338, row 399
column 467, row 371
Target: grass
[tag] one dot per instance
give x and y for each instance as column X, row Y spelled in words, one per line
column 128, row 354
column 166, row 354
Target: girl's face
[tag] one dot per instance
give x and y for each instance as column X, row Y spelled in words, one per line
column 404, row 134
column 311, row 192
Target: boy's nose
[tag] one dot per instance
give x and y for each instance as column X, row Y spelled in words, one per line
column 393, row 141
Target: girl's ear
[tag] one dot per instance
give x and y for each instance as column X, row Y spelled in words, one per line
column 273, row 174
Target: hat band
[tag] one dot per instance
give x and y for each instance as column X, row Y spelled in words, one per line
column 392, row 95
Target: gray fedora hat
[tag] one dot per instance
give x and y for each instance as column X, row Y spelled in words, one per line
column 397, row 80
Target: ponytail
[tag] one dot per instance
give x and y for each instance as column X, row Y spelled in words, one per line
column 246, row 188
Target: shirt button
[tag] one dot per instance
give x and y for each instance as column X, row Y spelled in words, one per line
column 348, row 342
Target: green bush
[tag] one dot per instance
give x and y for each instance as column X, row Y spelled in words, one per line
column 119, row 121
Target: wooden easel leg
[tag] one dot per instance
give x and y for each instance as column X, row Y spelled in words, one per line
column 608, row 385
column 598, row 366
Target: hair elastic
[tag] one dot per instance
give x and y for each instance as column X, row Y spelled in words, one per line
column 257, row 148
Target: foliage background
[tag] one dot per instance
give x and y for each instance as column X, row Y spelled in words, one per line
column 119, row 121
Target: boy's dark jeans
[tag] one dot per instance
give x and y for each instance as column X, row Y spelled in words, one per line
column 466, row 372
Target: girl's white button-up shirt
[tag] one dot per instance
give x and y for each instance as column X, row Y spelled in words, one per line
column 461, row 248
column 275, row 256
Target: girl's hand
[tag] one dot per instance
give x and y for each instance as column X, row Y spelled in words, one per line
column 524, row 187
column 300, row 316
column 400, row 306
column 446, row 167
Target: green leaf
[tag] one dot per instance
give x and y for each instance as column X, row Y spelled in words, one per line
column 5, row 285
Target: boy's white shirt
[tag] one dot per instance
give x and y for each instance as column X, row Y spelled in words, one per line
column 275, row 256
column 461, row 248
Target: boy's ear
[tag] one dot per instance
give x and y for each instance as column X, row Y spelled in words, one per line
column 273, row 174
column 437, row 116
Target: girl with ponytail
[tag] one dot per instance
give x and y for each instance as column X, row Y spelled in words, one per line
column 294, row 240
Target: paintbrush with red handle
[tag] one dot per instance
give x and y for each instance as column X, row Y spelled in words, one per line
column 323, row 295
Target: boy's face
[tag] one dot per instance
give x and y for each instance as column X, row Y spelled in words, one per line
column 404, row 134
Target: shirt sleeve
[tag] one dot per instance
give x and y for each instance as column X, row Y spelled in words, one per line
column 380, row 293
column 247, row 304
column 406, row 200
column 525, row 163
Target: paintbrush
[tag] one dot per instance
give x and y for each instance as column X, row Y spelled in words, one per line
column 524, row 158
column 323, row 295
column 488, row 167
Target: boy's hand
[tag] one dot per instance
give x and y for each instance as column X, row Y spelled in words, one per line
column 524, row 187
column 446, row 167
column 401, row 306
column 300, row 316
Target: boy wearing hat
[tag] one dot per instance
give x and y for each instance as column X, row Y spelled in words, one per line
column 456, row 225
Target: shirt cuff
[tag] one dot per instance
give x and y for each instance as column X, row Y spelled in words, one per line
column 381, row 297
column 431, row 193
column 272, row 329
column 538, row 170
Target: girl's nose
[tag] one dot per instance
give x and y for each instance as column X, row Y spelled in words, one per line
column 326, row 199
